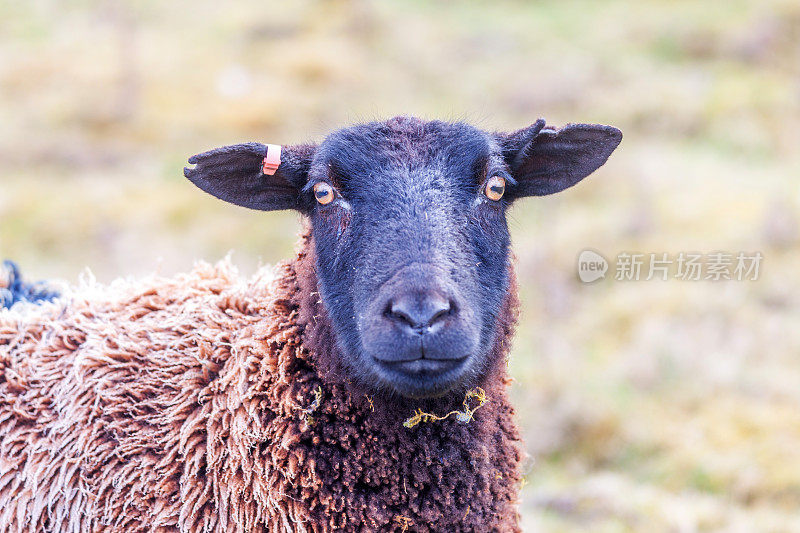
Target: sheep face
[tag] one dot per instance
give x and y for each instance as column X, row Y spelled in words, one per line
column 409, row 227
column 412, row 255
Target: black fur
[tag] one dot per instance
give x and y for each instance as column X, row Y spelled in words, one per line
column 547, row 161
column 18, row 290
column 410, row 224
column 233, row 173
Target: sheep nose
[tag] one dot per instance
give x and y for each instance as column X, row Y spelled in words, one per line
column 422, row 313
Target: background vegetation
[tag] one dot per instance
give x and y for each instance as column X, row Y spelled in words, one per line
column 647, row 406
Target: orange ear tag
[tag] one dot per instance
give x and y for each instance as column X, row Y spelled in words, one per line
column 272, row 160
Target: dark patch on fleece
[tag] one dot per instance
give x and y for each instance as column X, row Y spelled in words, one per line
column 13, row 288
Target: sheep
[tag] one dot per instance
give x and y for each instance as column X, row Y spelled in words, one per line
column 14, row 289
column 360, row 386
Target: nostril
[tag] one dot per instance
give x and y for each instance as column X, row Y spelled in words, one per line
column 443, row 311
column 399, row 314
column 419, row 312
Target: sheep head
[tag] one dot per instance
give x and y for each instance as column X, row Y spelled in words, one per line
column 408, row 220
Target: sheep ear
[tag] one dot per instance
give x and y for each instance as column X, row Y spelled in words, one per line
column 235, row 174
column 544, row 160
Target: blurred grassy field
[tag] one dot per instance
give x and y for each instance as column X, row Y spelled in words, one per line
column 647, row 406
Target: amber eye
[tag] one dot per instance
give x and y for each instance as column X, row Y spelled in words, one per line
column 495, row 187
column 323, row 193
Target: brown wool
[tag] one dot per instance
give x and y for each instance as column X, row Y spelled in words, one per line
column 208, row 402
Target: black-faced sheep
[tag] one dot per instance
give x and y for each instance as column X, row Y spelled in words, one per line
column 362, row 388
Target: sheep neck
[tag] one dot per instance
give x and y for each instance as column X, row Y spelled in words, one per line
column 445, row 475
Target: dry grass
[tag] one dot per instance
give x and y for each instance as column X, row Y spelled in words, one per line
column 647, row 406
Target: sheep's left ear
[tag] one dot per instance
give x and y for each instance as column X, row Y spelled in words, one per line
column 544, row 161
column 236, row 174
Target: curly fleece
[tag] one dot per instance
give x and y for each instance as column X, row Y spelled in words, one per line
column 208, row 402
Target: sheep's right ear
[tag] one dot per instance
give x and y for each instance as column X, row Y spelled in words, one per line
column 234, row 174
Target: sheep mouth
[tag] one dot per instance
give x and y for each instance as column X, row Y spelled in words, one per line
column 422, row 367
column 421, row 377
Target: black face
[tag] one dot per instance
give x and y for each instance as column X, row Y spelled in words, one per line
column 410, row 233
column 412, row 255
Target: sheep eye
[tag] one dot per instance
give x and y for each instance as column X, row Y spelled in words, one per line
column 495, row 187
column 323, row 193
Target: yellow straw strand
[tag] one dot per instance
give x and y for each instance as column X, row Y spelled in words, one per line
column 465, row 416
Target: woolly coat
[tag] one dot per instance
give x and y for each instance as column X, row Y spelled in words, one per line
column 208, row 402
